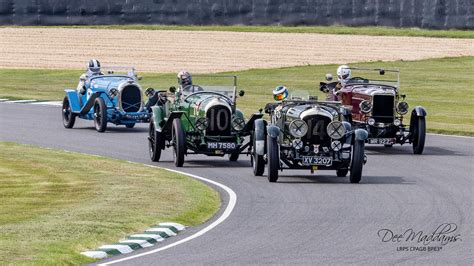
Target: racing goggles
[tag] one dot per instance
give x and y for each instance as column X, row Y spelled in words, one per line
column 344, row 76
column 280, row 96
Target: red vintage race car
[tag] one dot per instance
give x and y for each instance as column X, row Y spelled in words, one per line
column 373, row 96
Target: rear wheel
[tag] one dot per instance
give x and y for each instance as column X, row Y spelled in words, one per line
column 273, row 159
column 100, row 115
column 257, row 161
column 233, row 157
column 69, row 118
column 357, row 161
column 419, row 135
column 179, row 144
column 155, row 143
column 130, row 125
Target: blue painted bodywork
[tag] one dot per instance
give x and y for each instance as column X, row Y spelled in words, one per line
column 99, row 86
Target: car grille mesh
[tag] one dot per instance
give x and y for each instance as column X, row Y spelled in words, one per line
column 383, row 108
column 220, row 121
column 131, row 98
column 317, row 133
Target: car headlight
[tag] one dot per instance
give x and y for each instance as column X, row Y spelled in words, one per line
column 365, row 107
column 297, row 144
column 336, row 145
column 149, row 92
column 201, row 123
column 371, row 121
column 113, row 92
column 402, row 108
column 238, row 124
column 298, row 128
column 336, row 130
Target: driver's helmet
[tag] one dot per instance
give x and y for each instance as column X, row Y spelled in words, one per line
column 94, row 66
column 280, row 93
column 343, row 73
column 184, row 78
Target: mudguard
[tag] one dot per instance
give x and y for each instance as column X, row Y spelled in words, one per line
column 73, row 101
column 348, row 127
column 90, row 103
column 169, row 122
column 158, row 117
column 260, row 136
column 273, row 131
column 418, row 111
column 361, row 134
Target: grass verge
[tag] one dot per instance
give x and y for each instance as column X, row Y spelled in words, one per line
column 443, row 86
column 56, row 204
column 373, row 31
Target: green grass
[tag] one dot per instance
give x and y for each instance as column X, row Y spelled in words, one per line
column 445, row 87
column 55, row 204
column 374, row 31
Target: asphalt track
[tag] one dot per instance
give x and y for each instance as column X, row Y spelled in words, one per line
column 309, row 219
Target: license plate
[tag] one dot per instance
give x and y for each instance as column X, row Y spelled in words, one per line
column 316, row 160
column 221, row 145
column 382, row 141
column 135, row 117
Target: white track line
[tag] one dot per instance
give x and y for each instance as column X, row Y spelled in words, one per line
column 222, row 218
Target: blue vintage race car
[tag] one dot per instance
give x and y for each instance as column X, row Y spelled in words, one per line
column 110, row 97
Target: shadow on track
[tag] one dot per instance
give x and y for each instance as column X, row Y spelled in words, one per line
column 400, row 150
column 366, row 180
column 115, row 129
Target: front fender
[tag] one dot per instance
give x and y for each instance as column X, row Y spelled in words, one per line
column 273, row 131
column 259, row 135
column 348, row 128
column 74, row 101
column 361, row 134
column 419, row 111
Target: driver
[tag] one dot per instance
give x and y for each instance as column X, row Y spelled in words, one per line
column 280, row 93
column 344, row 74
column 185, row 81
column 93, row 69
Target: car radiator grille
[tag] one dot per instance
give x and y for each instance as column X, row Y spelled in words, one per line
column 131, row 98
column 383, row 108
column 317, row 133
column 220, row 121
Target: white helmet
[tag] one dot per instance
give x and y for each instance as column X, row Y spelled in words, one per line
column 280, row 93
column 94, row 66
column 343, row 73
column 184, row 78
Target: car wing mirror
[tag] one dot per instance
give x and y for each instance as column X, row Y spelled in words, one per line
column 329, row 77
column 241, row 93
column 172, row 89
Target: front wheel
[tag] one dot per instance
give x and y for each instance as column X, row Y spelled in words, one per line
column 155, row 143
column 179, row 143
column 69, row 118
column 257, row 161
column 273, row 159
column 100, row 115
column 357, row 161
column 419, row 135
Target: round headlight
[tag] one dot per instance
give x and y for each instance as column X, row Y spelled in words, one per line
column 201, row 123
column 396, row 122
column 365, row 107
column 149, row 92
column 371, row 121
column 402, row 108
column 113, row 92
column 336, row 145
column 238, row 124
column 297, row 144
column 298, row 128
column 336, row 130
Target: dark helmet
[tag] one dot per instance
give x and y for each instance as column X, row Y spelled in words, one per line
column 94, row 66
column 184, row 78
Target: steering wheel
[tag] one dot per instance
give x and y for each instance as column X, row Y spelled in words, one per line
column 209, row 92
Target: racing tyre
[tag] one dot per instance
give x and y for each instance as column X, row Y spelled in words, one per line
column 342, row 172
column 357, row 161
column 257, row 161
column 419, row 135
column 100, row 115
column 273, row 159
column 155, row 143
column 233, row 157
column 179, row 143
column 130, row 125
column 69, row 118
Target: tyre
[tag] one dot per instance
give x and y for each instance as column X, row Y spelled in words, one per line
column 179, row 143
column 342, row 172
column 273, row 159
column 419, row 135
column 155, row 143
column 69, row 118
column 130, row 125
column 357, row 161
column 100, row 115
column 233, row 157
column 257, row 161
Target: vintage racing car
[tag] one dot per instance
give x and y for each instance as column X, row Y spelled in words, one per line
column 377, row 106
column 307, row 134
column 110, row 97
column 202, row 119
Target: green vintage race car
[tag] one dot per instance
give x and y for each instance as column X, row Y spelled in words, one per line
column 200, row 119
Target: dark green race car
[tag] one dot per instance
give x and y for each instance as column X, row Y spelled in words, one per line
column 200, row 119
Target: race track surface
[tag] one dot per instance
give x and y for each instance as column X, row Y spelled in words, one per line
column 310, row 219
column 209, row 51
